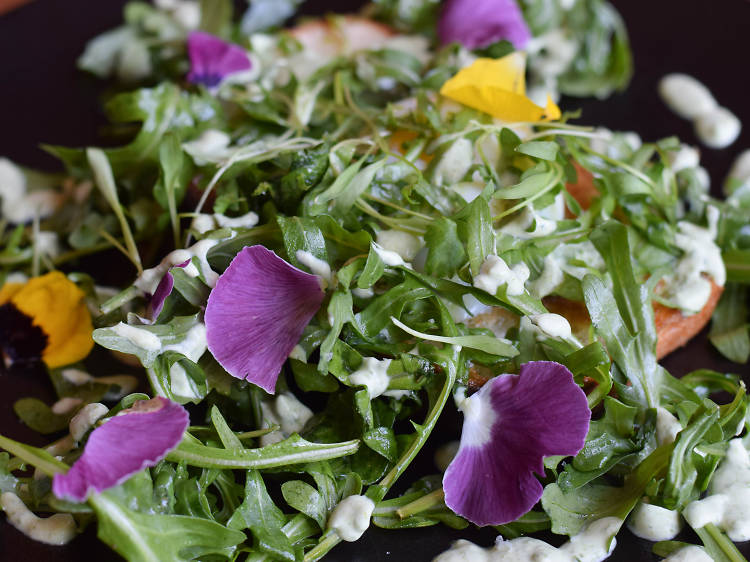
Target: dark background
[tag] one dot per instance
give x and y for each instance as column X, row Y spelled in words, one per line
column 43, row 98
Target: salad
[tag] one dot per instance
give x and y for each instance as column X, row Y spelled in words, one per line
column 343, row 233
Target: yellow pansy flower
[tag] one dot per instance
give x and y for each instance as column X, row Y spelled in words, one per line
column 498, row 88
column 57, row 306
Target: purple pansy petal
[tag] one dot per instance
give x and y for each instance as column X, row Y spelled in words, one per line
column 163, row 290
column 125, row 444
column 212, row 59
column 478, row 23
column 256, row 314
column 510, row 425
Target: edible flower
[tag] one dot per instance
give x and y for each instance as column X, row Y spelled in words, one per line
column 45, row 318
column 510, row 425
column 212, row 59
column 256, row 314
column 134, row 439
column 163, row 290
column 478, row 23
column 498, row 87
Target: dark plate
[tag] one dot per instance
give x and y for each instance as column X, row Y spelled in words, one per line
column 43, row 98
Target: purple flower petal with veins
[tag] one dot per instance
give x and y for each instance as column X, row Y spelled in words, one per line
column 213, row 59
column 478, row 23
column 256, row 314
column 125, row 444
column 163, row 290
column 510, row 425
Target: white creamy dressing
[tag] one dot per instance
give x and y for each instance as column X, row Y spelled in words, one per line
column 654, row 523
column 85, row 419
column 248, row 220
column 288, row 413
column 684, row 158
column 593, row 544
column 391, row 259
column 351, row 517
column 57, row 529
column 549, row 279
column 47, row 243
column 552, row 53
column 126, row 383
column 19, row 205
column 715, row 126
column 686, row 96
column 718, row 129
column 203, row 222
column 667, row 426
column 468, row 190
column 686, row 287
column 210, row 147
column 486, row 148
column 690, row 553
column 186, row 12
column 454, row 163
column 552, row 325
column 65, row 405
column 150, row 278
column 137, row 336
column 727, row 504
column 363, row 293
column 134, row 61
column 559, row 261
column 317, row 266
column 519, row 226
column 372, row 374
column 404, row 244
column 740, row 169
column 494, row 273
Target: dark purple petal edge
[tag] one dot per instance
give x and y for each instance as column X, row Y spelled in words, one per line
column 125, row 444
column 256, row 314
column 538, row 413
column 163, row 290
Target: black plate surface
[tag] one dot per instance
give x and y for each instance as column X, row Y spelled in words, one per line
column 43, row 98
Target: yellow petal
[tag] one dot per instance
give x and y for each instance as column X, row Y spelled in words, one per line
column 58, row 307
column 497, row 87
column 8, row 290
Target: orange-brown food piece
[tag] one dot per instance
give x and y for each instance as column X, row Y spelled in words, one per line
column 584, row 191
column 344, row 34
column 673, row 329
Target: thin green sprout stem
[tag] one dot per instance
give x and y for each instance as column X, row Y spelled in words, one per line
column 419, row 505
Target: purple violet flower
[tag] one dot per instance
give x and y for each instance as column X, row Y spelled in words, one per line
column 510, row 425
column 127, row 443
column 478, row 23
column 163, row 290
column 212, row 59
column 256, row 314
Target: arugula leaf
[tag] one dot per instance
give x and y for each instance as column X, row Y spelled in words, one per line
column 154, row 538
column 622, row 316
column 446, row 253
column 729, row 325
column 264, row 519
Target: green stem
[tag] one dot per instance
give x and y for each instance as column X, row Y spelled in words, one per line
column 381, row 489
column 419, row 505
column 39, row 458
column 326, row 543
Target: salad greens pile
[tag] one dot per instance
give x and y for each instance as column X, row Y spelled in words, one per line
column 356, row 160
